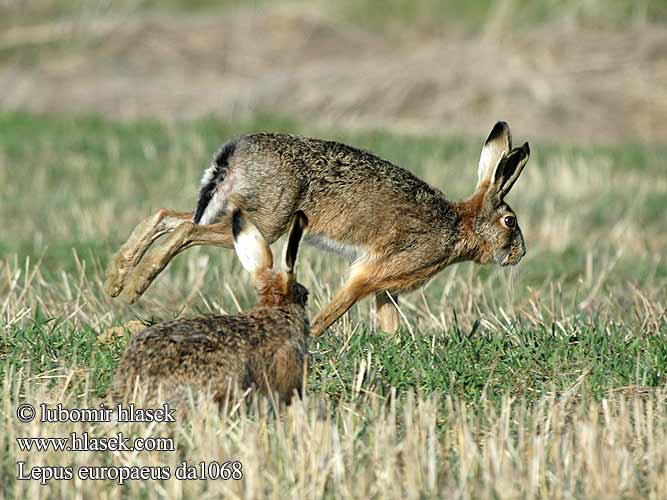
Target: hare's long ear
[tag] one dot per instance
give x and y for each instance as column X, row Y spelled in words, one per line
column 251, row 247
column 509, row 169
column 299, row 224
column 496, row 146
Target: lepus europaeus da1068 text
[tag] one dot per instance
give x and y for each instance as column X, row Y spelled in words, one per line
column 398, row 230
column 265, row 347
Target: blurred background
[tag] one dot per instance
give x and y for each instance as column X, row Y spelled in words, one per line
column 588, row 71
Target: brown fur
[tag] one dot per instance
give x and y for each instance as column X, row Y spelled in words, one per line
column 264, row 348
column 399, row 230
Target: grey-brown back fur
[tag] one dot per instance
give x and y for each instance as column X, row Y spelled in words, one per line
column 272, row 175
column 265, row 348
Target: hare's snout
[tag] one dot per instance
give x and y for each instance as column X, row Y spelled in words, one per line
column 510, row 260
column 514, row 255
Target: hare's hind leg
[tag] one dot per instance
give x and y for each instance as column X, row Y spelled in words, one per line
column 184, row 236
column 143, row 236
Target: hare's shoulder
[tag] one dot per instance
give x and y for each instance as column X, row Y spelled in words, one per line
column 273, row 318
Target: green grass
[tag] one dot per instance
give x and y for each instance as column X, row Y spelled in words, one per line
column 514, row 14
column 473, row 365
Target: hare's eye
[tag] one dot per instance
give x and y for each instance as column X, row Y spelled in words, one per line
column 509, row 221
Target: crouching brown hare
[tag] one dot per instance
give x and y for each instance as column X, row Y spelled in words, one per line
column 264, row 348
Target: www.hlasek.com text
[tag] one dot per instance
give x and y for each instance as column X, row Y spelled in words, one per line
column 86, row 442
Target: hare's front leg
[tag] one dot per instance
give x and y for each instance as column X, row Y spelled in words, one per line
column 386, row 306
column 358, row 285
column 404, row 273
column 143, row 236
column 356, row 288
column 183, row 237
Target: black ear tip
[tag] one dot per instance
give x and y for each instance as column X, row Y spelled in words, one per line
column 498, row 129
column 237, row 222
column 301, row 216
column 526, row 148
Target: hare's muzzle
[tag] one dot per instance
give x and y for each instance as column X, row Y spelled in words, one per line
column 514, row 255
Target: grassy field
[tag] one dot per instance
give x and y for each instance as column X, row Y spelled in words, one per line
column 546, row 380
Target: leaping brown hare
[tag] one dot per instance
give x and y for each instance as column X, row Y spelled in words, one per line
column 264, row 348
column 397, row 230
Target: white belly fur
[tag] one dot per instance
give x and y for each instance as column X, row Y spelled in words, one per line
column 350, row 252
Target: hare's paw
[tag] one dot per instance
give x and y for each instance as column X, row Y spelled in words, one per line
column 142, row 277
column 152, row 264
column 116, row 273
column 144, row 235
